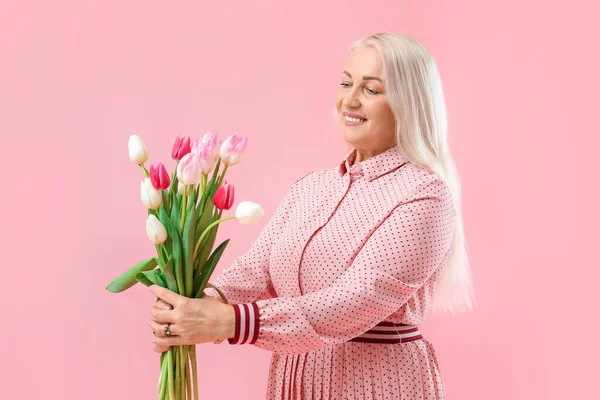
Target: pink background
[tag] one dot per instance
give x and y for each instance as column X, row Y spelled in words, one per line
column 77, row 78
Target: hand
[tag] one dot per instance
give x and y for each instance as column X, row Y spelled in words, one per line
column 192, row 321
column 219, row 340
column 162, row 305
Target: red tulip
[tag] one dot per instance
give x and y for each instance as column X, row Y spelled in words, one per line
column 159, row 177
column 223, row 198
column 181, row 147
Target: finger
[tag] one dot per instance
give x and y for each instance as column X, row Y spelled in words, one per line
column 167, row 295
column 169, row 341
column 163, row 316
column 160, row 349
column 159, row 329
column 163, row 305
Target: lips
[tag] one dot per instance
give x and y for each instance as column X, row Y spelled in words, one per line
column 354, row 115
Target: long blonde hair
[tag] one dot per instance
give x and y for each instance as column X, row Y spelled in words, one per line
column 416, row 98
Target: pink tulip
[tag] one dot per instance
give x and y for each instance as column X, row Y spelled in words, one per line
column 224, row 195
column 207, row 161
column 159, row 177
column 181, row 147
column 212, row 142
column 232, row 149
column 197, row 146
column 188, row 170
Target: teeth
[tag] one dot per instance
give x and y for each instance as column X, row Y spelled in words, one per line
column 351, row 119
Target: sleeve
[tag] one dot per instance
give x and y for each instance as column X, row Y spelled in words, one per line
column 398, row 258
column 247, row 278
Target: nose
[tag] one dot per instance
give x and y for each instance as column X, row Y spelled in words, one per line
column 351, row 99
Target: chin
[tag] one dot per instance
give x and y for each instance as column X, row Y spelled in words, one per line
column 352, row 137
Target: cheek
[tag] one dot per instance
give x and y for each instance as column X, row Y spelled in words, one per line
column 382, row 112
column 337, row 101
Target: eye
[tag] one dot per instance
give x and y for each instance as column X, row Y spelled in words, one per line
column 371, row 91
column 344, row 84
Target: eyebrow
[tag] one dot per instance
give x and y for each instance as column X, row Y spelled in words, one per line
column 365, row 78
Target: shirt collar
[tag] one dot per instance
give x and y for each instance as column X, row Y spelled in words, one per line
column 375, row 166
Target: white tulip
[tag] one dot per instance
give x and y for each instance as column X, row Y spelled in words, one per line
column 248, row 212
column 138, row 153
column 180, row 187
column 151, row 198
column 155, row 230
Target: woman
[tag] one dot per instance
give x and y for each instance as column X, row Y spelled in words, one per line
column 356, row 255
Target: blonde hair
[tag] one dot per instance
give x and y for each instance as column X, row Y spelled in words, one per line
column 415, row 96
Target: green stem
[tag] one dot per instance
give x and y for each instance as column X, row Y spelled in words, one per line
column 220, row 180
column 186, row 373
column 194, row 372
column 158, row 385
column 163, row 377
column 188, row 378
column 171, row 387
column 208, row 228
column 166, row 204
column 185, row 187
column 177, row 373
column 145, row 170
column 182, row 360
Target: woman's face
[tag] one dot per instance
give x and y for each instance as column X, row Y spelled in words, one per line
column 361, row 93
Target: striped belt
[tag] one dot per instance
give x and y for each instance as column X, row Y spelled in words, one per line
column 389, row 332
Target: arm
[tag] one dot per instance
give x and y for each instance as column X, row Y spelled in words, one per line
column 247, row 279
column 397, row 259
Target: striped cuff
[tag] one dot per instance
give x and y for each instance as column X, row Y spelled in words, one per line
column 246, row 323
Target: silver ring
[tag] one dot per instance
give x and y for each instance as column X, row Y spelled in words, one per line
column 168, row 330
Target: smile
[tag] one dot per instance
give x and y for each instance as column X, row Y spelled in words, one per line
column 351, row 121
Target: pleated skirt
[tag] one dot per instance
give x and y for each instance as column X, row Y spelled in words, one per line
column 356, row 370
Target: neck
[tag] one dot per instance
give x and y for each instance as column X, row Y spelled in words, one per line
column 365, row 154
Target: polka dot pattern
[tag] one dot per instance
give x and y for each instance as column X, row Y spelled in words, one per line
column 347, row 248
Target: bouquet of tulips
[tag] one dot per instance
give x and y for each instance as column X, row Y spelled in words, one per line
column 184, row 212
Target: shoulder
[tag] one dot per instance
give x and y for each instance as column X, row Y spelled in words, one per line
column 303, row 175
column 421, row 186
column 311, row 177
column 419, row 181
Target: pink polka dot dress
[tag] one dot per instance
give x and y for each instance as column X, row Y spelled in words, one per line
column 341, row 276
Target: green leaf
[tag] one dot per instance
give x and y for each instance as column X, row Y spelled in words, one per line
column 177, row 257
column 175, row 214
column 209, row 240
column 210, row 285
column 149, row 278
column 170, row 276
column 194, row 197
column 166, row 221
column 161, row 256
column 127, row 279
column 203, row 221
column 188, row 250
column 208, row 269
